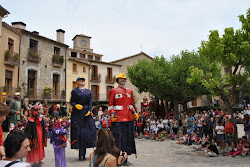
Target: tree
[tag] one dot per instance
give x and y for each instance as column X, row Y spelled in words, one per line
column 229, row 62
column 167, row 79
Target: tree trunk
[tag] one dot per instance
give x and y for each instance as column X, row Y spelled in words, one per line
column 176, row 111
column 184, row 107
column 166, row 107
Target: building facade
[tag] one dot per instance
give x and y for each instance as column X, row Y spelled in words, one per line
column 9, row 60
column 42, row 65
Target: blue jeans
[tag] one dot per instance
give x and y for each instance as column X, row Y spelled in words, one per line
column 200, row 132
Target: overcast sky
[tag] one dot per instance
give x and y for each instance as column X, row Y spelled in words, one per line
column 120, row 27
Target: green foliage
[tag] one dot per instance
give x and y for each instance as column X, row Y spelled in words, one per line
column 6, row 88
column 47, row 91
column 58, row 59
column 63, row 93
column 231, row 52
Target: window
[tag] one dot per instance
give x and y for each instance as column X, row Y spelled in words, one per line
column 8, row 81
column 90, row 57
column 95, row 92
column 109, row 74
column 73, row 54
column 57, row 51
column 74, row 67
column 56, row 85
column 94, row 72
column 74, row 85
column 33, row 45
column 10, row 44
column 97, row 58
column 83, row 69
column 82, row 56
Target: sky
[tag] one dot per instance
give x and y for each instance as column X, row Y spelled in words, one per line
column 121, row 28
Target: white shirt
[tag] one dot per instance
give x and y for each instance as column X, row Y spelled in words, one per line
column 152, row 124
column 19, row 164
column 220, row 130
column 165, row 123
column 160, row 125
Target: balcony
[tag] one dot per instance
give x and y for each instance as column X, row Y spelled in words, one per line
column 47, row 93
column 96, row 78
column 34, row 55
column 11, row 58
column 110, row 80
column 57, row 61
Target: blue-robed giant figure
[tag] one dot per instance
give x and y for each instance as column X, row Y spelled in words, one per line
column 82, row 124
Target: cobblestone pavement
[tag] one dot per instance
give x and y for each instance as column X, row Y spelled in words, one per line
column 153, row 153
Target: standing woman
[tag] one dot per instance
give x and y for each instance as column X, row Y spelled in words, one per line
column 82, row 127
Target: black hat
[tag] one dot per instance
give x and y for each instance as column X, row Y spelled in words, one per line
column 77, row 79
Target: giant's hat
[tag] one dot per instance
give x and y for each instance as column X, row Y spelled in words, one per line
column 79, row 78
column 122, row 75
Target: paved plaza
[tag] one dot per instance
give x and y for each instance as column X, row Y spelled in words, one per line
column 153, row 153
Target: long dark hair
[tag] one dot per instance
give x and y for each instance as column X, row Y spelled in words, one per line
column 13, row 143
column 105, row 144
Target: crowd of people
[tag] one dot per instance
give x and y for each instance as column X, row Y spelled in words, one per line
column 210, row 129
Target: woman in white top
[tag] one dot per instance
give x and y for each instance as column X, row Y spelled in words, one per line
column 152, row 125
column 17, row 146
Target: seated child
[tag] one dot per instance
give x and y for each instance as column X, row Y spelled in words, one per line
column 226, row 150
column 146, row 134
column 246, row 149
column 160, row 136
column 182, row 139
column 233, row 148
column 211, row 150
column 189, row 140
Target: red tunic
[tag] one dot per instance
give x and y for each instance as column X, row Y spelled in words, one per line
column 1, row 135
column 37, row 154
column 121, row 103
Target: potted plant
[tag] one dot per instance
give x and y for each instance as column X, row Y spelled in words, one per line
column 47, row 92
column 16, row 57
column 6, row 88
column 61, row 59
column 55, row 58
column 7, row 55
column 63, row 93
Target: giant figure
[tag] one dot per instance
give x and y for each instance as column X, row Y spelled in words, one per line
column 82, row 124
column 123, row 114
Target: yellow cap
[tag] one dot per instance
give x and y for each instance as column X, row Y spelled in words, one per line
column 3, row 93
column 122, row 75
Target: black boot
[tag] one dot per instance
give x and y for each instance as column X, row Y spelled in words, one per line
column 83, row 153
column 80, row 154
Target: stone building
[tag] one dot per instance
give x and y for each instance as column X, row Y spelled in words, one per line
column 128, row 61
column 42, row 65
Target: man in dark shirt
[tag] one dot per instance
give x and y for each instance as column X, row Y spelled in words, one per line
column 211, row 149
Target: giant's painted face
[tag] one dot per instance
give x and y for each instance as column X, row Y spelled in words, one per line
column 35, row 111
column 58, row 136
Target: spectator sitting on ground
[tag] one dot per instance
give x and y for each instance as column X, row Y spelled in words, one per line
column 146, row 135
column 246, row 149
column 17, row 146
column 226, row 150
column 211, row 150
column 233, row 148
column 106, row 153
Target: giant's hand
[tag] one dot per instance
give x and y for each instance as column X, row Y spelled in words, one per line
column 136, row 116
column 78, row 106
column 88, row 113
column 113, row 117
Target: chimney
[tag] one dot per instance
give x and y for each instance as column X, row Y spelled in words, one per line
column 35, row 32
column 19, row 25
column 60, row 35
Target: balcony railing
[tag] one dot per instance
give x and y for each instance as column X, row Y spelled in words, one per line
column 110, row 80
column 57, row 61
column 34, row 55
column 96, row 78
column 11, row 58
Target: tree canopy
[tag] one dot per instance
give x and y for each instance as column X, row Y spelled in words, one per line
column 229, row 62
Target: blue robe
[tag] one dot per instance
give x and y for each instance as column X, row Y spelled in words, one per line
column 82, row 128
